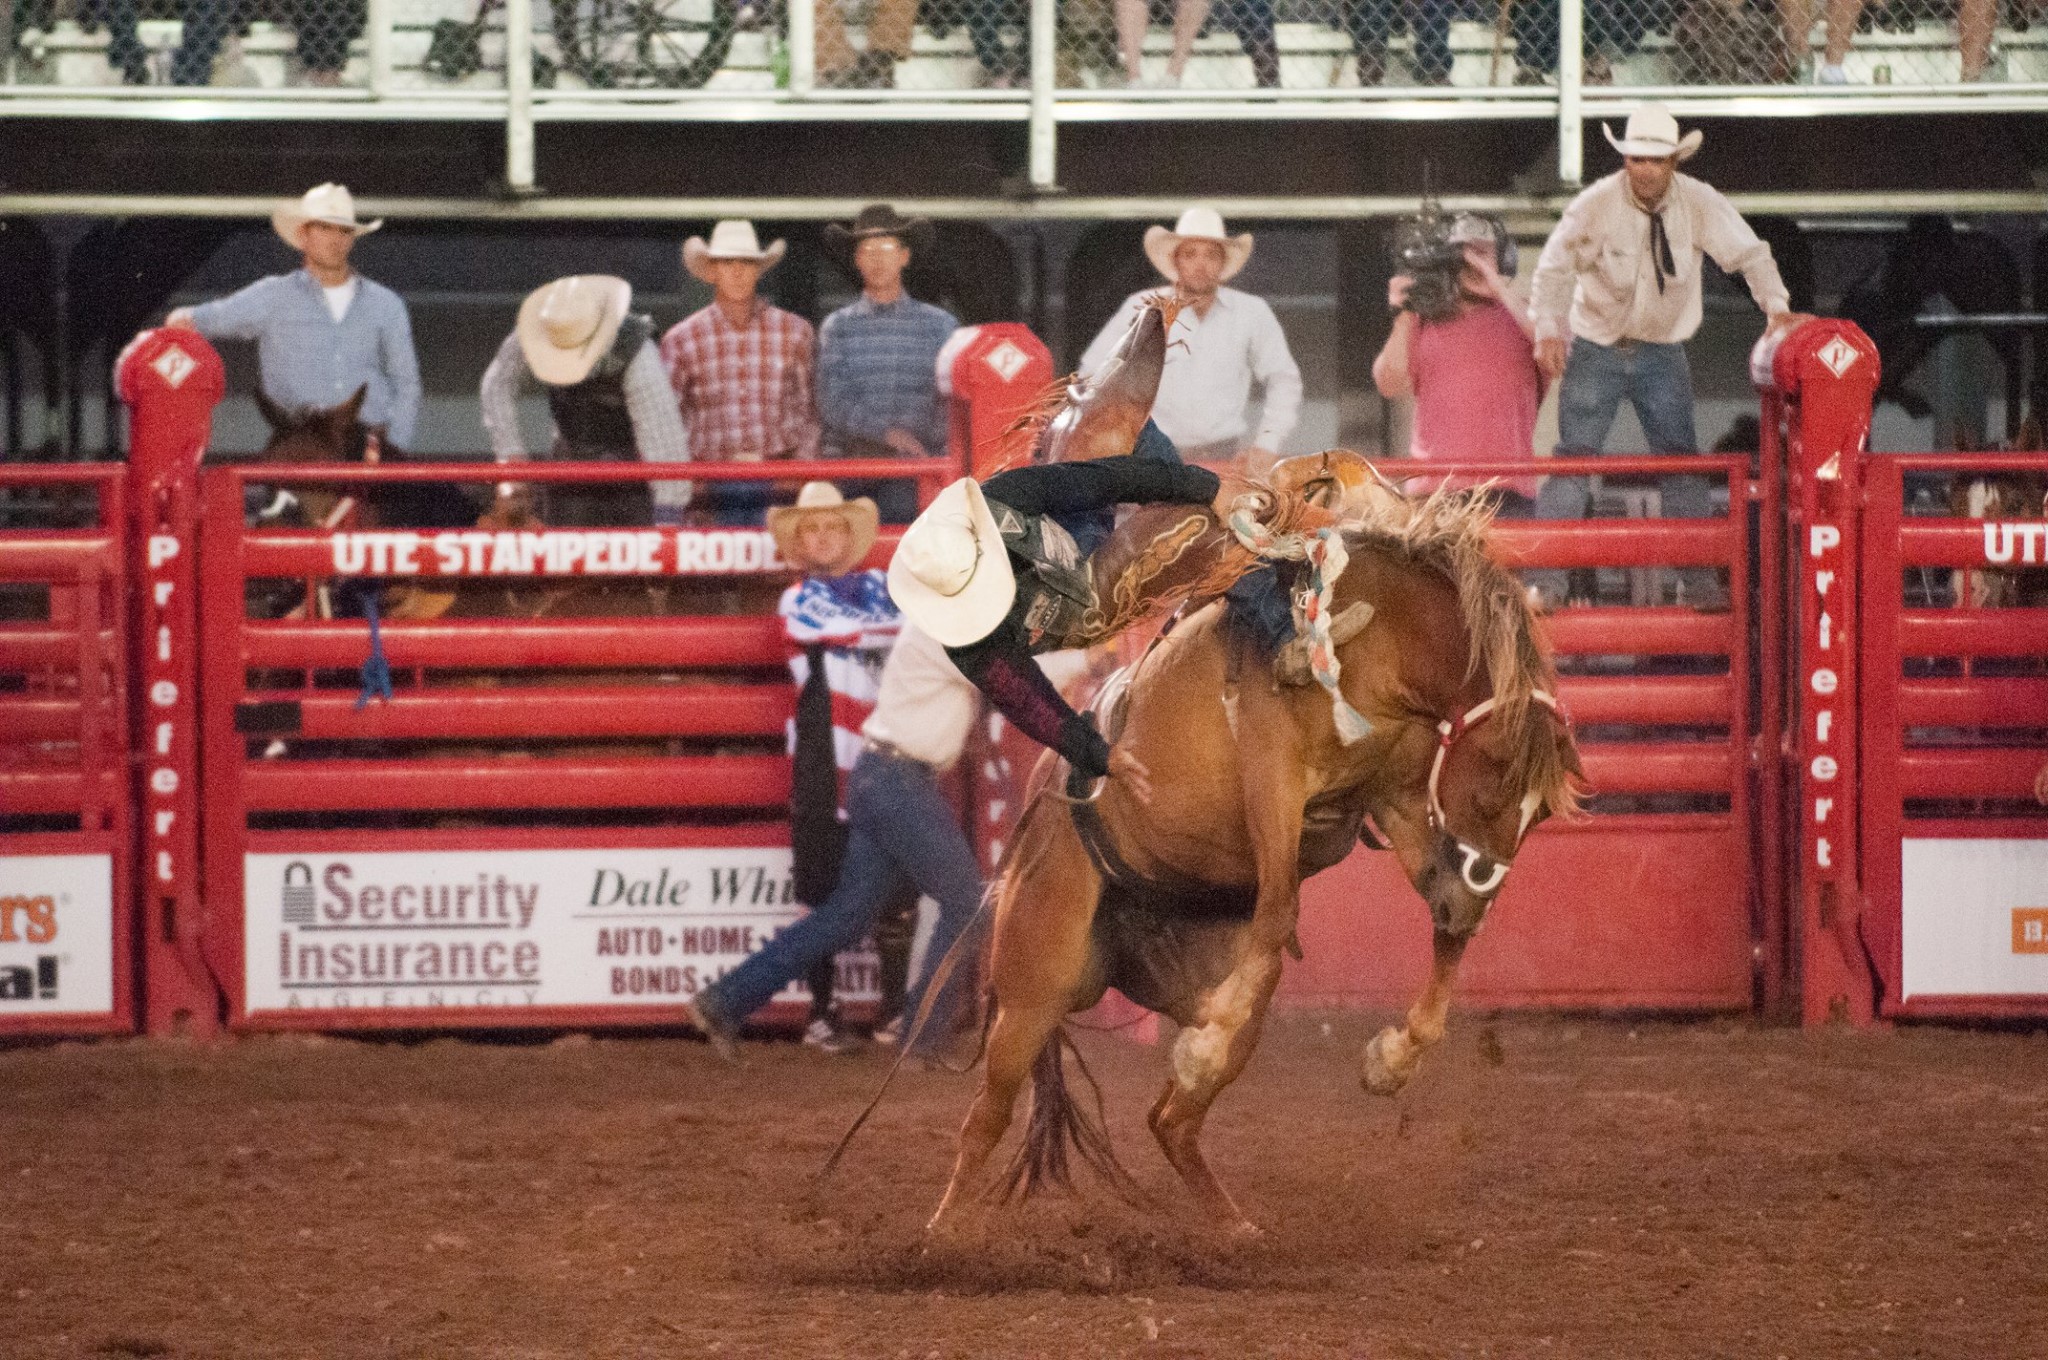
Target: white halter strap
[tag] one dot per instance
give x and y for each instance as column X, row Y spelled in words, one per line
column 1448, row 732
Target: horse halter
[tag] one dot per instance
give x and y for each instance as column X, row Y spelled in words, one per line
column 1475, row 860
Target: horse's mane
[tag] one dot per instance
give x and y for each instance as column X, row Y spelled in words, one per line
column 1449, row 531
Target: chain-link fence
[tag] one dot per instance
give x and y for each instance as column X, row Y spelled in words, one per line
column 1823, row 43
column 935, row 46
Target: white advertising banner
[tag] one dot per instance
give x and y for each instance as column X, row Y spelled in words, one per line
column 56, row 935
column 1976, row 918
column 454, row 930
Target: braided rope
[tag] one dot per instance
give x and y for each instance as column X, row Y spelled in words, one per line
column 1324, row 551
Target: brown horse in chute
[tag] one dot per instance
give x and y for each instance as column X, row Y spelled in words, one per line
column 1187, row 902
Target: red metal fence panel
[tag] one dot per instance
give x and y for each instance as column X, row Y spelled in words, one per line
column 571, row 811
column 67, row 870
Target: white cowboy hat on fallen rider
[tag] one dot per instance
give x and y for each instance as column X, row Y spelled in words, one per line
column 951, row 573
column 329, row 203
column 732, row 239
column 1197, row 224
column 1653, row 132
column 823, row 498
column 566, row 326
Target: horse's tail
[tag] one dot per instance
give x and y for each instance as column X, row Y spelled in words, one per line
column 1059, row 1123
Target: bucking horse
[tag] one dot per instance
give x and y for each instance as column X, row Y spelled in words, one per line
column 1186, row 903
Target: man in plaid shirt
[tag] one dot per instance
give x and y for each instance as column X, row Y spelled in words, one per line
column 878, row 386
column 741, row 369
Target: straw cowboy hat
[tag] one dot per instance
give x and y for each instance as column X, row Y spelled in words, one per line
column 1652, row 131
column 1196, row 224
column 951, row 573
column 879, row 219
column 823, row 498
column 731, row 239
column 329, row 203
column 565, row 327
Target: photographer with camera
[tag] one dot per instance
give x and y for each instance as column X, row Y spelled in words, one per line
column 1464, row 348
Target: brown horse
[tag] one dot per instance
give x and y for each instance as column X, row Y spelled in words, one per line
column 1186, row 903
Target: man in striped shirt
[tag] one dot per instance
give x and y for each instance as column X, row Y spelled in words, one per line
column 741, row 369
column 878, row 387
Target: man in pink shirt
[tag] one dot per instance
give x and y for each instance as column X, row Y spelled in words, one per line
column 1472, row 371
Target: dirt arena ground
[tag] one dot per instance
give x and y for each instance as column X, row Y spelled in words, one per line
column 1544, row 1188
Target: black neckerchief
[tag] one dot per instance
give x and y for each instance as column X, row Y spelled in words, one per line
column 1660, row 240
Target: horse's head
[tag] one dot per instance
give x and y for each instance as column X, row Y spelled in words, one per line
column 1493, row 777
column 1488, row 752
column 333, row 434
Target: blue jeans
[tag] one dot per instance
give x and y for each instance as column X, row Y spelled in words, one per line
column 1657, row 381
column 902, row 832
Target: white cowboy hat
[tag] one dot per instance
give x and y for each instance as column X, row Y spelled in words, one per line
column 565, row 327
column 329, row 203
column 1196, row 224
column 731, row 239
column 1652, row 131
column 951, row 573
column 823, row 498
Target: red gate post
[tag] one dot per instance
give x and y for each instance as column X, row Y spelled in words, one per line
column 171, row 381
column 1820, row 380
column 994, row 374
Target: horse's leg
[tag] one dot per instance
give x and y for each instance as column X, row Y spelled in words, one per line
column 1392, row 1055
column 1037, row 959
column 1014, row 1041
column 1207, row 1057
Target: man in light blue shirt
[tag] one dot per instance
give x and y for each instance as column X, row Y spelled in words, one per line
column 323, row 331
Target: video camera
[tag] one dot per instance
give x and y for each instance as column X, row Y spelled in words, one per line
column 1430, row 249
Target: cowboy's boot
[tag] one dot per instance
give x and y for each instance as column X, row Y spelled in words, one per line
column 1291, row 666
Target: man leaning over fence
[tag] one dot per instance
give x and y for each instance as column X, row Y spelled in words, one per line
column 1617, row 295
column 594, row 356
column 741, row 369
column 323, row 330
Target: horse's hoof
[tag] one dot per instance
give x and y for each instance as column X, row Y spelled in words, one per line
column 1376, row 1073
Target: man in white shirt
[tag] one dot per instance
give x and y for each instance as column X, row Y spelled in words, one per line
column 1617, row 294
column 901, row 832
column 1223, row 342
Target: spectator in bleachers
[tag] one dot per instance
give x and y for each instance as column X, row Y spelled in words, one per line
column 1617, row 295
column 839, row 624
column 889, row 28
column 741, row 368
column 878, row 388
column 1613, row 28
column 1251, row 20
column 1429, row 21
column 593, row 355
column 324, row 29
column 1976, row 23
column 323, row 330
column 1230, row 340
column 1472, row 372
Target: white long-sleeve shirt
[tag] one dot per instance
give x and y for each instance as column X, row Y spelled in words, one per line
column 1212, row 363
column 924, row 706
column 1597, row 277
